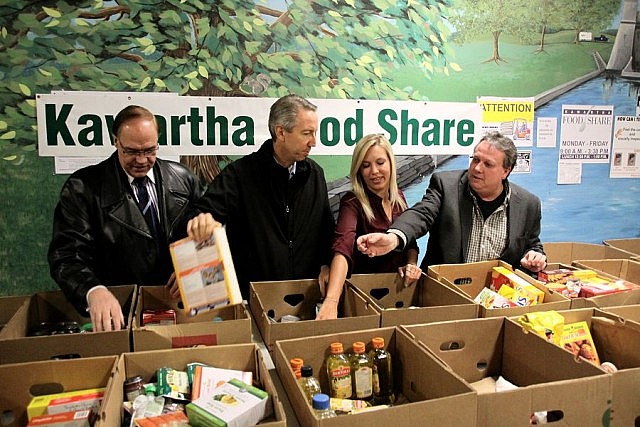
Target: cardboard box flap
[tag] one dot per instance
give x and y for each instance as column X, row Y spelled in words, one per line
column 567, row 252
column 630, row 246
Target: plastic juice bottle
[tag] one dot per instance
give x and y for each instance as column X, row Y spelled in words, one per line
column 339, row 372
column 361, row 372
column 309, row 383
column 382, row 373
column 320, row 404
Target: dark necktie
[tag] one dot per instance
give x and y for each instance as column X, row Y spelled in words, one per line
column 146, row 206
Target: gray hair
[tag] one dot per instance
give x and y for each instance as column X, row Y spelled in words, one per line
column 284, row 112
column 504, row 144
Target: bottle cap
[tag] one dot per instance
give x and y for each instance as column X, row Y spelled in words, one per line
column 306, row 371
column 336, row 348
column 358, row 347
column 609, row 367
column 296, row 362
column 320, row 401
column 377, row 342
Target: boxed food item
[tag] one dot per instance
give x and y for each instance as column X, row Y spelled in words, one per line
column 471, row 278
column 577, row 339
column 233, row 404
column 270, row 302
column 49, row 327
column 546, row 377
column 492, row 299
column 625, row 269
column 207, row 378
column 24, row 381
column 427, row 394
column 64, row 419
column 425, row 301
column 224, row 325
column 76, row 400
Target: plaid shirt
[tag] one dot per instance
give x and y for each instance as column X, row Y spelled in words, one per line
column 488, row 237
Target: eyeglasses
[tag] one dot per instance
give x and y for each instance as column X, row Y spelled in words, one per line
column 149, row 152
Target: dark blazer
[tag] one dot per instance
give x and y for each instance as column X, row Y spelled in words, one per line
column 278, row 228
column 100, row 236
column 445, row 212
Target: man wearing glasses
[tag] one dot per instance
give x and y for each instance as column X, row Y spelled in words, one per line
column 114, row 220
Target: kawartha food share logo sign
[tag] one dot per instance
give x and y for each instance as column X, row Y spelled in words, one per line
column 79, row 123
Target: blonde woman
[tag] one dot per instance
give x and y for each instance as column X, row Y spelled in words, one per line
column 373, row 204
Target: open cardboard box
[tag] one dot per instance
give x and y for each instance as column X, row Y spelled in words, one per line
column 269, row 301
column 567, row 252
column 630, row 246
column 244, row 357
column 225, row 325
column 16, row 346
column 436, row 395
column 548, row 377
column 616, row 341
column 24, row 381
column 425, row 301
column 626, row 269
column 471, row 278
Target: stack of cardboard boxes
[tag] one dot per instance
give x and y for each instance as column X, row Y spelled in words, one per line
column 451, row 356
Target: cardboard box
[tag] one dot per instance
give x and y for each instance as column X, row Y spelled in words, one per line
column 23, row 381
column 567, row 252
column 243, row 357
column 269, row 301
column 17, row 346
column 471, row 278
column 437, row 396
column 9, row 305
column 547, row 376
column 630, row 246
column 617, row 342
column 626, row 269
column 202, row 329
column 423, row 302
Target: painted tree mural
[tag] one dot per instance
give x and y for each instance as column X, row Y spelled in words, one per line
column 316, row 48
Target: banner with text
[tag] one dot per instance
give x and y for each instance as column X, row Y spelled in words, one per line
column 77, row 124
column 626, row 148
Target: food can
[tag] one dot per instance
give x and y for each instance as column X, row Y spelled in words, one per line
column 133, row 387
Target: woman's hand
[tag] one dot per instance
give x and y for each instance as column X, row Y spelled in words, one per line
column 411, row 274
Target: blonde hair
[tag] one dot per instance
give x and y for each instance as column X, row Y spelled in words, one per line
column 357, row 182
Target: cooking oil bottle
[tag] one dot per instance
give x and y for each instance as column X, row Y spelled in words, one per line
column 361, row 372
column 339, row 372
column 382, row 373
column 308, row 382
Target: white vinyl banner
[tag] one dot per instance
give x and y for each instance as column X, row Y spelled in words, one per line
column 77, row 124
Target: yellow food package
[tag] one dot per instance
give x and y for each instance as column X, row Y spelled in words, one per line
column 547, row 324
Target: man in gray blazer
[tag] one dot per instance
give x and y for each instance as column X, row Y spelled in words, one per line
column 471, row 215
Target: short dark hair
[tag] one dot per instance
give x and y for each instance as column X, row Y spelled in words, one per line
column 285, row 111
column 129, row 113
column 504, row 144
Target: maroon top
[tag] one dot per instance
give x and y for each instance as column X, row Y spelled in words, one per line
column 352, row 223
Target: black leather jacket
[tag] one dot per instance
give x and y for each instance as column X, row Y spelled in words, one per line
column 101, row 238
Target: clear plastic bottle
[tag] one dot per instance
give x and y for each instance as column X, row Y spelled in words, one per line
column 339, row 372
column 361, row 372
column 309, row 383
column 320, row 403
column 382, row 373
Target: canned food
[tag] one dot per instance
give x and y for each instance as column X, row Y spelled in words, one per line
column 133, row 387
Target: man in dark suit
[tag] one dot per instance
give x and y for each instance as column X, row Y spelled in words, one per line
column 114, row 220
column 471, row 215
